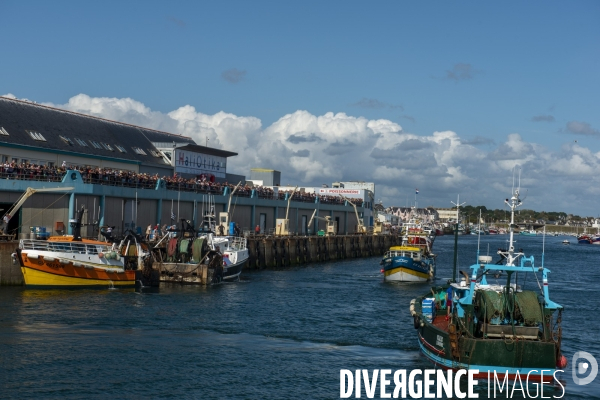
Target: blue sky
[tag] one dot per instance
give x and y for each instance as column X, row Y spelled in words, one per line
column 327, row 91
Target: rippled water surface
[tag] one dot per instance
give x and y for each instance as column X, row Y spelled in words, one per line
column 274, row 335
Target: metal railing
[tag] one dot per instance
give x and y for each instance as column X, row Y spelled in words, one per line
column 63, row 247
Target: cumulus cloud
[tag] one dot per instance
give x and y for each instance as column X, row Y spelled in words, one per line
column 478, row 140
column 581, row 128
column 315, row 149
column 233, row 75
column 461, row 72
column 543, row 118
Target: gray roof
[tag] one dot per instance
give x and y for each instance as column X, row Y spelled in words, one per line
column 19, row 118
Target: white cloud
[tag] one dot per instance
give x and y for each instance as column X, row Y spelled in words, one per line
column 312, row 150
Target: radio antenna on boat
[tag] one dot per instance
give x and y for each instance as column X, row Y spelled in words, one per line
column 478, row 234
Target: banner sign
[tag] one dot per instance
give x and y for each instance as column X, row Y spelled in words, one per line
column 187, row 162
column 354, row 193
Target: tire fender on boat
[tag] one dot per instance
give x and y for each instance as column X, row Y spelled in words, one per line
column 416, row 321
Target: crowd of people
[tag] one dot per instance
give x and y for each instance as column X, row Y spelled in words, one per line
column 119, row 177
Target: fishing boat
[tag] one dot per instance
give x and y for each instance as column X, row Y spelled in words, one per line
column 413, row 261
column 494, row 325
column 186, row 255
column 71, row 261
column 584, row 239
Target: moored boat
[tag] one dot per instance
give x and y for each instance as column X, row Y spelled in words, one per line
column 70, row 261
column 496, row 328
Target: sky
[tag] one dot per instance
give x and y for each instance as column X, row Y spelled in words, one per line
column 446, row 97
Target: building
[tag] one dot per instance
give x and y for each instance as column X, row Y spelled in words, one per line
column 33, row 134
column 265, row 177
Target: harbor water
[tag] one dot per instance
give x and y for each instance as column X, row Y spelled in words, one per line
column 276, row 334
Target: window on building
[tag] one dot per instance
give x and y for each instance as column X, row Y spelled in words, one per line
column 155, row 153
column 139, row 151
column 120, row 148
column 50, row 164
column 4, row 159
column 81, row 142
column 3, row 131
column 36, row 136
column 95, row 144
column 66, row 140
column 107, row 146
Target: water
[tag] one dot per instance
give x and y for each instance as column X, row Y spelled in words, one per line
column 274, row 335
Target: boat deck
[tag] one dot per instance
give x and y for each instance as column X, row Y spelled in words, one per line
column 440, row 322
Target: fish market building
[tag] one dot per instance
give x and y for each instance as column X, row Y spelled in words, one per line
column 140, row 188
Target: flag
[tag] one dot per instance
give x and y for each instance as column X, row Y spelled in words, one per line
column 173, row 216
column 417, row 191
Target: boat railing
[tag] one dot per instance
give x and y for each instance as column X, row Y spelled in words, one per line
column 63, row 247
column 237, row 243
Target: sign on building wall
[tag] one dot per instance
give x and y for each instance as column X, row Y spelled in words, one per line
column 187, row 162
column 354, row 193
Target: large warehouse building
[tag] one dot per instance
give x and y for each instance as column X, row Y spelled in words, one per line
column 50, row 138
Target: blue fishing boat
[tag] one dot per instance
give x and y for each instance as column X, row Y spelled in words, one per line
column 407, row 264
column 488, row 321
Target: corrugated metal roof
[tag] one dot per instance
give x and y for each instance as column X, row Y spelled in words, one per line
column 64, row 132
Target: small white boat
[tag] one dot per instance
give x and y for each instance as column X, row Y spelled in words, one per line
column 566, row 241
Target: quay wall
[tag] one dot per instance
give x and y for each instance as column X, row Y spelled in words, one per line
column 277, row 252
column 10, row 275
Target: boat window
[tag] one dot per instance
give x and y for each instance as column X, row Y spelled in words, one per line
column 92, row 249
column 78, row 248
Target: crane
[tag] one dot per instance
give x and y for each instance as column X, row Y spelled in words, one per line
column 224, row 216
column 283, row 225
column 361, row 229
column 331, row 226
column 21, row 200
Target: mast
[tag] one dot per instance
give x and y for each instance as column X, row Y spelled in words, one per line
column 457, row 204
column 513, row 203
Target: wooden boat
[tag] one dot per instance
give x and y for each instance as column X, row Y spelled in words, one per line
column 199, row 257
column 70, row 261
column 413, row 261
column 497, row 328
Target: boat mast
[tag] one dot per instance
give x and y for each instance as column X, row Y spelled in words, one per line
column 457, row 204
column 514, row 202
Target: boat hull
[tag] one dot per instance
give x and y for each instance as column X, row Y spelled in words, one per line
column 48, row 272
column 488, row 356
column 405, row 269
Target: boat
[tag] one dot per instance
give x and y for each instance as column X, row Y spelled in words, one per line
column 413, row 261
column 70, row 261
column 530, row 232
column 566, row 241
column 498, row 328
column 187, row 255
column 584, row 239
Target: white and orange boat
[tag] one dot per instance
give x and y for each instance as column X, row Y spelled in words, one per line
column 70, row 261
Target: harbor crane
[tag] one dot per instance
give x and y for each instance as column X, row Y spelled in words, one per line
column 283, row 224
column 224, row 216
column 330, row 225
column 21, row 200
column 360, row 228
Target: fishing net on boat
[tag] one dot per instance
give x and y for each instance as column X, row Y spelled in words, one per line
column 197, row 250
column 491, row 302
column 528, row 308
